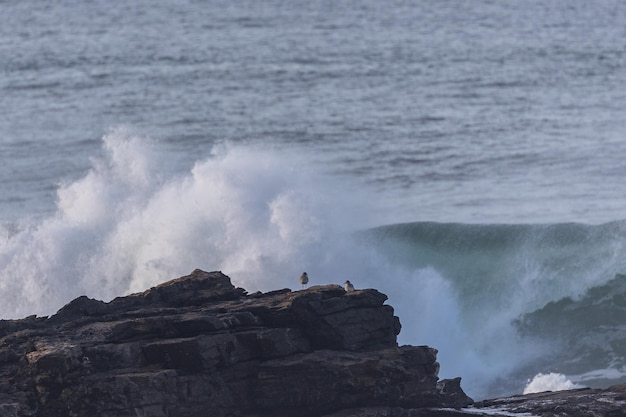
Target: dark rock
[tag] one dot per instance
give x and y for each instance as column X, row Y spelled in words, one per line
column 337, row 320
column 199, row 346
column 79, row 308
column 325, row 380
column 610, row 402
column 198, row 288
column 13, row 326
column 451, row 389
column 192, row 290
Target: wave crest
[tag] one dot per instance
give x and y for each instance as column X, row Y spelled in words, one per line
column 128, row 224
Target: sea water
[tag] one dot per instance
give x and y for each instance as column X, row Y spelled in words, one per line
column 465, row 158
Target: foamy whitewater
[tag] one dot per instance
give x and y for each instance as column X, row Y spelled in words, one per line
column 549, row 382
column 464, row 158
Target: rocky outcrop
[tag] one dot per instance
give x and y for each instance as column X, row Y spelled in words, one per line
column 198, row 346
column 609, row 402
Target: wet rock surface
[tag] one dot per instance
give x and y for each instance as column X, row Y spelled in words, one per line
column 198, row 346
column 609, row 402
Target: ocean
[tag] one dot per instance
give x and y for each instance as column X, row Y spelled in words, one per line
column 465, row 158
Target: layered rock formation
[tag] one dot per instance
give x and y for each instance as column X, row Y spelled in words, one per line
column 198, row 346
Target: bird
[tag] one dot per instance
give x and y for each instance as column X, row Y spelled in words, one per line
column 348, row 286
column 304, row 279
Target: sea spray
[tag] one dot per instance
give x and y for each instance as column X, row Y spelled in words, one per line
column 497, row 274
column 549, row 382
column 263, row 216
column 258, row 215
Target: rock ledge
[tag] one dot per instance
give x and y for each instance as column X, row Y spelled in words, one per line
column 199, row 346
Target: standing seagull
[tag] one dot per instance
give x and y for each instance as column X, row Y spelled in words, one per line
column 348, row 286
column 304, row 279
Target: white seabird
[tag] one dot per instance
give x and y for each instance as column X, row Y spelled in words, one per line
column 348, row 286
column 304, row 279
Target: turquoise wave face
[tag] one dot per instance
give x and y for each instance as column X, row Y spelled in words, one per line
column 538, row 263
column 554, row 289
column 590, row 331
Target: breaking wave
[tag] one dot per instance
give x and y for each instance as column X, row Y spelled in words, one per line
column 549, row 382
column 262, row 216
column 529, row 299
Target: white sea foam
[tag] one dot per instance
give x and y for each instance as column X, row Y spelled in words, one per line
column 262, row 217
column 549, row 382
column 259, row 216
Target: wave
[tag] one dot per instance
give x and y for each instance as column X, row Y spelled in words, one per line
column 263, row 216
column 549, row 382
column 588, row 334
column 131, row 222
column 530, row 299
column 515, row 267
